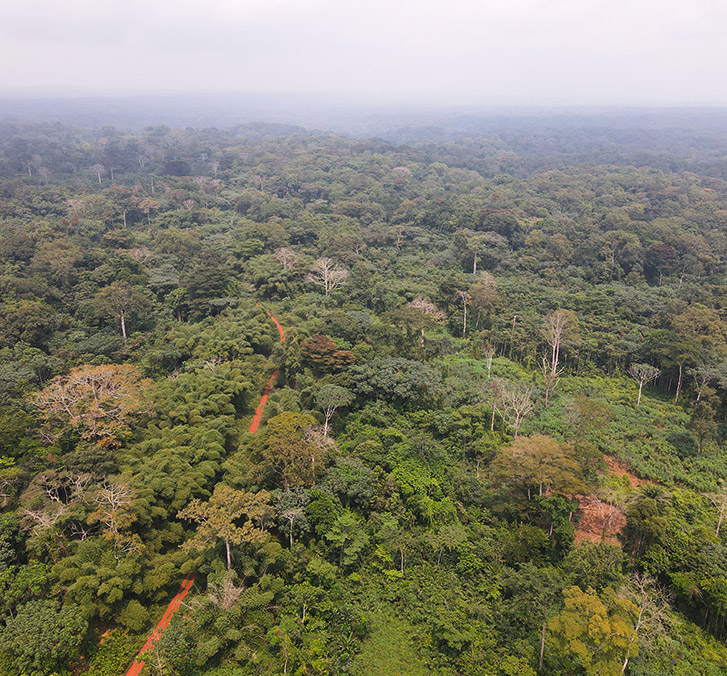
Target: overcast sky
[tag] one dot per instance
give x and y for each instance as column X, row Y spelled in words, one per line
column 420, row 51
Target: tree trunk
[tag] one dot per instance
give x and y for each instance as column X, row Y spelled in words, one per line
column 641, row 385
column 542, row 643
column 679, row 383
column 721, row 516
column 123, row 326
column 474, row 265
column 464, row 322
column 229, row 556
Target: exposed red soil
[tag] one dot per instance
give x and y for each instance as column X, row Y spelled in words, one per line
column 619, row 468
column 598, row 520
column 261, row 406
column 281, row 333
column 172, row 608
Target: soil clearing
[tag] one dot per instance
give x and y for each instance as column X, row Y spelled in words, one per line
column 600, row 521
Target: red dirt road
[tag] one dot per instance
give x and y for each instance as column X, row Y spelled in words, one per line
column 261, row 406
column 176, row 602
column 277, row 323
column 266, row 392
column 172, row 608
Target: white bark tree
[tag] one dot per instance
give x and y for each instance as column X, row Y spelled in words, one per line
column 330, row 398
column 643, row 373
column 464, row 298
column 516, row 403
column 327, row 274
column 558, row 326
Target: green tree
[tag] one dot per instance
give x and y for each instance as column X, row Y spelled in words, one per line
column 291, row 451
column 348, row 535
column 43, row 636
column 229, row 515
column 595, row 632
column 121, row 300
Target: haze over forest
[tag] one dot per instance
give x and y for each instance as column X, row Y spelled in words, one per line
column 363, row 339
column 467, row 52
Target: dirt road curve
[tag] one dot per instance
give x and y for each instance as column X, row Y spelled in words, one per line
column 176, row 602
column 280, row 328
column 266, row 392
column 172, row 608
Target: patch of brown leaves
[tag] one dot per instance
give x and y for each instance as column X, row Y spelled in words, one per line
column 619, row 468
column 598, row 520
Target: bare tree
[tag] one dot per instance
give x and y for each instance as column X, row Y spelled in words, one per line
column 226, row 593
column 719, row 500
column 327, row 274
column 516, row 402
column 644, row 373
column 464, row 298
column 557, row 327
column 114, row 501
column 652, row 607
column 290, row 515
column 286, row 257
column 99, row 170
column 493, row 393
column 48, row 502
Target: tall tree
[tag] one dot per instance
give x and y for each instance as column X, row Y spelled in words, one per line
column 330, row 398
column 327, row 274
column 100, row 402
column 559, row 326
column 229, row 515
column 290, row 453
column 464, row 298
column 538, row 464
column 121, row 300
column 595, row 631
column 643, row 373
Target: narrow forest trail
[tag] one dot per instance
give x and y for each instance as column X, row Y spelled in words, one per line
column 266, row 392
column 176, row 602
column 172, row 608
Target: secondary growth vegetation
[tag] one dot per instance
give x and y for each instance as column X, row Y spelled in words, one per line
column 494, row 443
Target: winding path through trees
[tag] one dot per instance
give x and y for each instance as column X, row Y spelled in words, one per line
column 176, row 602
column 172, row 608
column 266, row 392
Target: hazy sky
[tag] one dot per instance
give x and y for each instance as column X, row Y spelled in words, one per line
column 442, row 52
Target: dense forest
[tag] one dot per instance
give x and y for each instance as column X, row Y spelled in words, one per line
column 494, row 442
